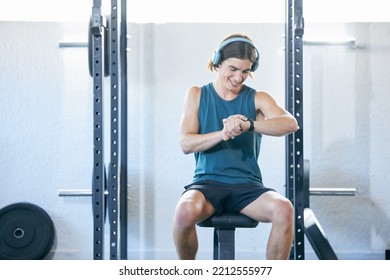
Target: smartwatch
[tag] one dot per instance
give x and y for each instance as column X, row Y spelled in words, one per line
column 252, row 125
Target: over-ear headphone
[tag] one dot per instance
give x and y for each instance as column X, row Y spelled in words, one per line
column 217, row 55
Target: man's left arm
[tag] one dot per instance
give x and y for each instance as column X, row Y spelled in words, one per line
column 271, row 118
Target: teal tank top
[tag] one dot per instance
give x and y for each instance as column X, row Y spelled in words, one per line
column 233, row 161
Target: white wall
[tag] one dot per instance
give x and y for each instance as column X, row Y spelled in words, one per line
column 46, row 130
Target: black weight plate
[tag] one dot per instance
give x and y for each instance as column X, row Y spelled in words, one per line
column 26, row 232
column 317, row 238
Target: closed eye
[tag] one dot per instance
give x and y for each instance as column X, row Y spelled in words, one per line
column 246, row 71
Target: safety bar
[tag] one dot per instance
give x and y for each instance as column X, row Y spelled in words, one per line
column 333, row 191
column 74, row 192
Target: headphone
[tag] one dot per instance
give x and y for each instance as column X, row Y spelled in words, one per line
column 217, row 55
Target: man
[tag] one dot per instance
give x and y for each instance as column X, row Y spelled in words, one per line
column 222, row 124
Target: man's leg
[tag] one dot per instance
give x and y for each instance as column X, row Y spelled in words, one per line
column 191, row 209
column 275, row 208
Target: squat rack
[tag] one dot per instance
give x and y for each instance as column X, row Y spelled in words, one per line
column 117, row 193
column 113, row 191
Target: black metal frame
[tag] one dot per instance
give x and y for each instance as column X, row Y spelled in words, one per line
column 116, row 192
column 113, row 200
column 224, row 243
column 98, row 180
column 294, row 104
column 123, row 131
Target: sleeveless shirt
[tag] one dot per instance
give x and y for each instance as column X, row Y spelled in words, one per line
column 233, row 161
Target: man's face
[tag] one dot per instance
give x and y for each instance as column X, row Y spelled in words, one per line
column 234, row 72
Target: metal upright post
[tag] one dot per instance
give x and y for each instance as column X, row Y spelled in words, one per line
column 112, row 48
column 98, row 180
column 294, row 104
column 118, row 165
column 123, row 128
column 113, row 197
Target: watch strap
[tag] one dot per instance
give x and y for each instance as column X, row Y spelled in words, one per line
column 252, row 125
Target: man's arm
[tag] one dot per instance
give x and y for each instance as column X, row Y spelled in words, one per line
column 271, row 119
column 190, row 139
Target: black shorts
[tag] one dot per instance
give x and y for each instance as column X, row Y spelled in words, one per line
column 230, row 198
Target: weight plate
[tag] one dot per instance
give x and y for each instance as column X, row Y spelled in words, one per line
column 316, row 236
column 26, row 232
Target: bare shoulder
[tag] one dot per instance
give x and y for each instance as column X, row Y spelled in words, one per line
column 193, row 93
column 192, row 98
column 267, row 106
column 262, row 94
column 263, row 98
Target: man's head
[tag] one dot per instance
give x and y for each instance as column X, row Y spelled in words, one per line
column 235, row 46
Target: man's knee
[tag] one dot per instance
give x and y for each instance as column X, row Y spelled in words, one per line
column 284, row 211
column 185, row 214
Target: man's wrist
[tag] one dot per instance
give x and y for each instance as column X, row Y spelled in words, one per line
column 251, row 125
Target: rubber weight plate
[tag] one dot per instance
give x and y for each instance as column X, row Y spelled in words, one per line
column 316, row 236
column 26, row 232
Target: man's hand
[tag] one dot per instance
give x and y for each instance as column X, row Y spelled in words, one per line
column 233, row 126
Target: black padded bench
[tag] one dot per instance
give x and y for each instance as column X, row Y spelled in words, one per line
column 224, row 229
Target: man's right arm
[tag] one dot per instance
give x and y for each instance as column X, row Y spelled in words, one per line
column 190, row 139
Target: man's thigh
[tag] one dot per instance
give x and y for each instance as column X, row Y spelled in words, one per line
column 262, row 208
column 198, row 202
